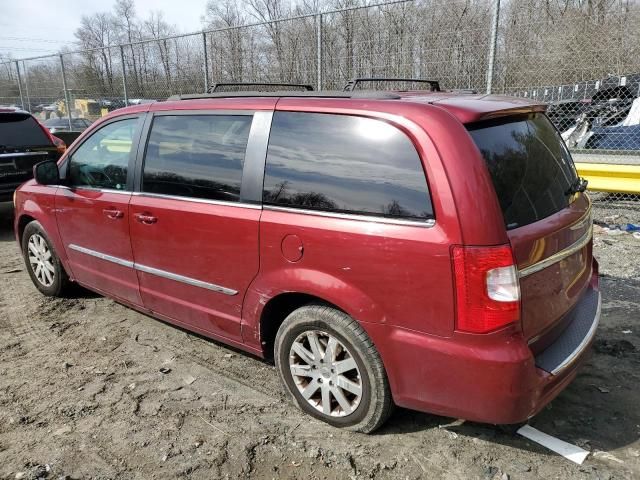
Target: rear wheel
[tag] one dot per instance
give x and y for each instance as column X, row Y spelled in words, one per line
column 43, row 264
column 332, row 370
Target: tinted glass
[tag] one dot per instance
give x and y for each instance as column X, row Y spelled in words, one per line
column 345, row 164
column 199, row 156
column 19, row 130
column 530, row 165
column 102, row 160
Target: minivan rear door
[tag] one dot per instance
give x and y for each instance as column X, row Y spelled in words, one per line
column 548, row 220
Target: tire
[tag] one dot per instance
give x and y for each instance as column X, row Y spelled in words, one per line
column 36, row 247
column 355, row 367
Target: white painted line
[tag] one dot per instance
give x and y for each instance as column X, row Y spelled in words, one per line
column 567, row 450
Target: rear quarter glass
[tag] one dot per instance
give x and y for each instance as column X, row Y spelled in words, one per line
column 530, row 166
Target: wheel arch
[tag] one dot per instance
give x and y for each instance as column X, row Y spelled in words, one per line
column 277, row 309
column 22, row 222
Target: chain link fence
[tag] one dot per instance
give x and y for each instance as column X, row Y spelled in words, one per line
column 582, row 58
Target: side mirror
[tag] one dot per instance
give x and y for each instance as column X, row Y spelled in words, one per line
column 47, row 173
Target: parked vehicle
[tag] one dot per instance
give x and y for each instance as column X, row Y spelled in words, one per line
column 431, row 250
column 23, row 143
column 62, row 124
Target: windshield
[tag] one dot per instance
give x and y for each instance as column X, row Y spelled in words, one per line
column 531, row 168
column 19, row 130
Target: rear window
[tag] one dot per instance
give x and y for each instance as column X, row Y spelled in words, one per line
column 344, row 164
column 17, row 130
column 531, row 168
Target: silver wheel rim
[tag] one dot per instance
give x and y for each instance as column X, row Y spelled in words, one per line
column 325, row 373
column 40, row 260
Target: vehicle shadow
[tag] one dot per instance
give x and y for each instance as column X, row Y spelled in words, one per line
column 581, row 415
column 597, row 411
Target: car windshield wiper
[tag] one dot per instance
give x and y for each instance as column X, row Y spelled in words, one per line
column 578, row 186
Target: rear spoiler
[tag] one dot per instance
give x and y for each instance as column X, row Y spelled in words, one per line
column 508, row 112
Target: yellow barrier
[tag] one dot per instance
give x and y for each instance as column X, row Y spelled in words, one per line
column 605, row 177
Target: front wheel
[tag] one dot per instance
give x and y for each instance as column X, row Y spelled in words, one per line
column 42, row 262
column 332, row 370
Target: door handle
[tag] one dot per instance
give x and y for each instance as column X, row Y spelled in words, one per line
column 146, row 219
column 113, row 213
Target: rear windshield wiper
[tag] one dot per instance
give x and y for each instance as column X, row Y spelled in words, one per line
column 578, row 186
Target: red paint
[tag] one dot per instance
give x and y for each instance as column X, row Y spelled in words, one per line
column 397, row 280
column 84, row 219
column 212, row 243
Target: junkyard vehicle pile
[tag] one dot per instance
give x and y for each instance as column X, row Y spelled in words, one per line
column 610, row 120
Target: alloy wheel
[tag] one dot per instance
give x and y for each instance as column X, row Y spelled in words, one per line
column 325, row 373
column 41, row 260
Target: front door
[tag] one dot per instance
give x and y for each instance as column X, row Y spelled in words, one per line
column 93, row 210
column 195, row 243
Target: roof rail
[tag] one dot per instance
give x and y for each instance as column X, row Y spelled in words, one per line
column 351, row 85
column 362, row 94
column 221, row 87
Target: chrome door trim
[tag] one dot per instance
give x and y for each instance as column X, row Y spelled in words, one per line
column 22, row 154
column 189, row 281
column 558, row 256
column 102, row 256
column 197, row 200
column 94, row 189
column 428, row 223
column 154, row 271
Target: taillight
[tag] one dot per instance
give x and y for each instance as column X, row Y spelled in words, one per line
column 487, row 288
column 60, row 145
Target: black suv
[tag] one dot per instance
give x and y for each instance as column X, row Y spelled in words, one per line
column 23, row 143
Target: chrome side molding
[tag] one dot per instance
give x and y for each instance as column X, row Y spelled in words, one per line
column 189, row 281
column 155, row 271
column 102, row 256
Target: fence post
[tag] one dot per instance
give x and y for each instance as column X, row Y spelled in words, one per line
column 124, row 77
column 492, row 44
column 26, row 86
column 20, row 84
column 66, row 91
column 206, row 62
column 319, row 51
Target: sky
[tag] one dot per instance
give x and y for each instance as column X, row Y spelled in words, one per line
column 30, row 28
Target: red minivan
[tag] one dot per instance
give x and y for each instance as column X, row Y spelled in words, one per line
column 430, row 250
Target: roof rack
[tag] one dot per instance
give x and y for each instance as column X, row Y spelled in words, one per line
column 363, row 94
column 351, row 85
column 221, row 87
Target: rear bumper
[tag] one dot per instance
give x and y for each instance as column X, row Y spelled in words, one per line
column 490, row 379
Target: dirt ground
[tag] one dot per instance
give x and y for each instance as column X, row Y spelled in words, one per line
column 81, row 396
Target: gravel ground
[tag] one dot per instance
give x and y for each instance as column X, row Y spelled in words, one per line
column 81, row 396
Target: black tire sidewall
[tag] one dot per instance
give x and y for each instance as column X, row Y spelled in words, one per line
column 59, row 275
column 289, row 334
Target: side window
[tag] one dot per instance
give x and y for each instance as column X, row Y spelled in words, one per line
column 197, row 156
column 342, row 163
column 102, row 160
